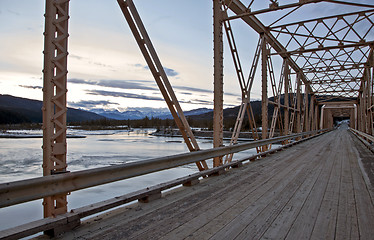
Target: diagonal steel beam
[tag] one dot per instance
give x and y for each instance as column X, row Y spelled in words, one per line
column 240, row 9
column 274, row 8
column 322, row 18
column 158, row 72
column 360, row 44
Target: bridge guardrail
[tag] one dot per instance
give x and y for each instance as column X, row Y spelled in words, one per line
column 31, row 189
column 72, row 219
column 365, row 138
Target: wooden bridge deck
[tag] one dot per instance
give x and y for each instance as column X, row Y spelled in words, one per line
column 314, row 190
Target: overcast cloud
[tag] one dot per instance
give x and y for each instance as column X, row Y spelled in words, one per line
column 122, row 84
column 91, row 103
column 31, row 87
column 122, row 94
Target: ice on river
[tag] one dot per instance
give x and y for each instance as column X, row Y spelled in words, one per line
column 21, row 158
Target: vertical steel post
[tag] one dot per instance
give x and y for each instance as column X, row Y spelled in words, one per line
column 363, row 97
column 316, row 116
column 54, row 98
column 360, row 104
column 322, row 119
column 306, row 107
column 370, row 102
column 286, row 95
column 311, row 113
column 298, row 103
column 264, row 111
column 218, row 79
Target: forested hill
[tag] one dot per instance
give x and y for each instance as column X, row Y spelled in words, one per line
column 21, row 110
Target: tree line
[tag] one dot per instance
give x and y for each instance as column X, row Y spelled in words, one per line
column 207, row 124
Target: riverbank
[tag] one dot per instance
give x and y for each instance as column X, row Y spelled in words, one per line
column 243, row 136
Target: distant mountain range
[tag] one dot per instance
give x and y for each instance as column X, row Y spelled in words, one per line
column 23, row 110
column 140, row 113
column 20, row 110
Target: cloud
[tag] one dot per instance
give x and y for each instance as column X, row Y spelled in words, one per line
column 200, row 90
column 89, row 61
column 31, row 87
column 124, row 95
column 169, row 72
column 198, row 101
column 80, row 81
column 76, row 57
column 192, row 89
column 147, row 109
column 231, row 94
column 122, row 84
column 14, row 12
column 91, row 104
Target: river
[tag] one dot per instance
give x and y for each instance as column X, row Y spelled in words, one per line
column 21, row 158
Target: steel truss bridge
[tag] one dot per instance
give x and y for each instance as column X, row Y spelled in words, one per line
column 326, row 73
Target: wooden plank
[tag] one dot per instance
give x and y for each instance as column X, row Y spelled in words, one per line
column 187, row 201
column 325, row 226
column 221, row 220
column 262, row 221
column 283, row 222
column 228, row 190
column 237, row 201
column 209, row 208
column 115, row 201
column 64, row 220
column 251, row 212
column 148, row 224
column 304, row 222
column 33, row 227
column 256, row 228
column 303, row 192
column 347, row 223
column 94, row 228
column 364, row 204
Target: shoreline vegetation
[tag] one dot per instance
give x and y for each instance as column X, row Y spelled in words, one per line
column 164, row 127
column 112, row 124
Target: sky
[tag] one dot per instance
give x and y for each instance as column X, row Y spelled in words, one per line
column 106, row 67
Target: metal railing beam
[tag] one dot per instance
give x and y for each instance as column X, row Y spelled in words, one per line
column 76, row 214
column 27, row 190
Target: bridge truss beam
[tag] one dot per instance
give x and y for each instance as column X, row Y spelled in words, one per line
column 218, row 78
column 54, row 98
column 144, row 42
column 325, row 58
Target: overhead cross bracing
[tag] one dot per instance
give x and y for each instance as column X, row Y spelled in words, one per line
column 332, row 51
column 327, row 53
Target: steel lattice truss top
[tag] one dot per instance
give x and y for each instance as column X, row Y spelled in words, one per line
column 332, row 49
